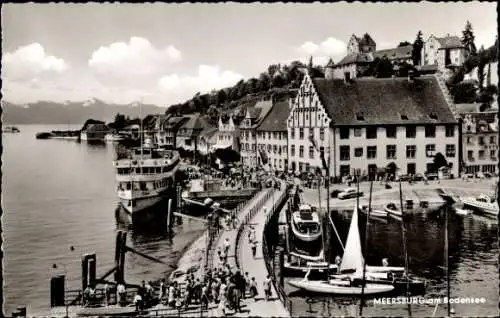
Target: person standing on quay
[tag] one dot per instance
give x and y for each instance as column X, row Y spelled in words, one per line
column 121, row 291
column 227, row 245
column 267, row 288
column 107, row 293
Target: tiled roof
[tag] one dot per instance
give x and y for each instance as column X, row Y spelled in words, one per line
column 254, row 112
column 397, row 53
column 384, row 101
column 97, row 128
column 276, row 118
column 450, row 42
column 356, row 58
column 195, row 122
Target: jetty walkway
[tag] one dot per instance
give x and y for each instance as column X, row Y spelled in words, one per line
column 255, row 213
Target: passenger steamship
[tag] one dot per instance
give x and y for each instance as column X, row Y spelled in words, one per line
column 144, row 175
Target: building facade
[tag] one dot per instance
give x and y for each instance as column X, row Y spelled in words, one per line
column 444, row 52
column 480, row 142
column 248, row 134
column 190, row 131
column 368, row 124
column 227, row 134
column 272, row 141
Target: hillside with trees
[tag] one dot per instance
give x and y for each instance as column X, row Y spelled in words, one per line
column 278, row 81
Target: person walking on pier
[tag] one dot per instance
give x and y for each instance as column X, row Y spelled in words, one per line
column 253, row 246
column 253, row 288
column 251, row 234
column 247, row 284
column 267, row 288
column 107, row 293
column 227, row 245
column 171, row 295
column 122, row 293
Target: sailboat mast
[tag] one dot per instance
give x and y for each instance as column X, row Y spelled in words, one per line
column 446, row 256
column 365, row 250
column 319, row 213
column 403, row 229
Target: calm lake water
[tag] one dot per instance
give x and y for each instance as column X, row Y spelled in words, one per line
column 473, row 262
column 57, row 194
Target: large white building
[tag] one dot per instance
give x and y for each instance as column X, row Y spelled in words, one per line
column 367, row 124
column 272, row 141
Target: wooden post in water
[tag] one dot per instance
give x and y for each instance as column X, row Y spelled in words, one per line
column 169, row 214
column 282, row 262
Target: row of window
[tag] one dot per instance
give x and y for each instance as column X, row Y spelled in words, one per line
column 301, row 151
column 481, row 155
column 411, row 150
column 311, row 133
column 390, row 132
column 277, row 135
column 224, row 137
column 481, row 140
column 273, row 148
column 144, row 170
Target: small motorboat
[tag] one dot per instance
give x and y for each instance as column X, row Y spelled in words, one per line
column 460, row 211
column 340, row 287
column 11, row 129
column 305, row 224
column 482, row 204
column 393, row 211
column 299, row 264
column 374, row 212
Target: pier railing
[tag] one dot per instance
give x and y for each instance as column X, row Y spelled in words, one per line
column 272, row 214
column 257, row 207
column 268, row 252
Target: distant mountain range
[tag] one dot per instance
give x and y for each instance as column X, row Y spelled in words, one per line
column 47, row 112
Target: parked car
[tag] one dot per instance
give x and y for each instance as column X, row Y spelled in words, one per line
column 403, row 177
column 335, row 193
column 349, row 193
column 431, row 175
column 418, row 177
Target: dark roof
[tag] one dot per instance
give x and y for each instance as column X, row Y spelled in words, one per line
column 450, row 42
column 366, row 40
column 356, row 58
column 330, row 63
column 97, row 128
column 254, row 112
column 195, row 122
column 384, row 101
column 276, row 118
column 397, row 53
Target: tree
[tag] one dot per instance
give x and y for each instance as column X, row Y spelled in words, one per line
column 481, row 66
column 384, row 68
column 404, row 43
column 464, row 93
column 488, row 75
column 264, row 82
column 468, row 38
column 119, row 121
column 416, row 54
column 221, row 97
column 439, row 161
column 273, row 68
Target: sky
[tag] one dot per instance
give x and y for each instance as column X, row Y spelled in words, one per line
column 166, row 53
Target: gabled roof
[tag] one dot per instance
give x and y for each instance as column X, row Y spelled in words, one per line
column 366, row 39
column 396, row 53
column 384, row 101
column 97, row 128
column 276, row 118
column 356, row 58
column 195, row 122
column 450, row 42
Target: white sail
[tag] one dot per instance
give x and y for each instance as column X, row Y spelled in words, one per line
column 353, row 257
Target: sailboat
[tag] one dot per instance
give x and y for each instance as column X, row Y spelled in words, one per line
column 352, row 261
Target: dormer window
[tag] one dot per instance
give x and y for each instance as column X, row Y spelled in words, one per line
column 404, row 117
column 359, row 116
column 433, row 116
